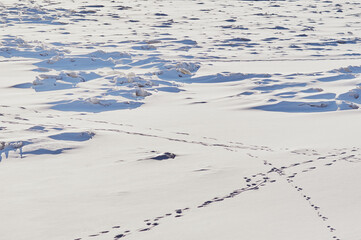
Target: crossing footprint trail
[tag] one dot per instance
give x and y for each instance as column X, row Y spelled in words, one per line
column 255, row 182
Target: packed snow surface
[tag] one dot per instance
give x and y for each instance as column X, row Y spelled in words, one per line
column 193, row 119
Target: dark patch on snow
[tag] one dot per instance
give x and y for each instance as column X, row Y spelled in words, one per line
column 164, row 156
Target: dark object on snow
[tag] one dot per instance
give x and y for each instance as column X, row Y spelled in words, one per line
column 164, row 156
column 119, row 236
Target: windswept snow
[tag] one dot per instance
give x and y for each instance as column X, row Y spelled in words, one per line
column 180, row 119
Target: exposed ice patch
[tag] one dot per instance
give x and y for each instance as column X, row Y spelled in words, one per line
column 6, row 147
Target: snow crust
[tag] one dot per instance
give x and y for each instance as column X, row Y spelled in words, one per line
column 183, row 120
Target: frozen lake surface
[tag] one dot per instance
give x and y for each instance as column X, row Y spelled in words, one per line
column 160, row 120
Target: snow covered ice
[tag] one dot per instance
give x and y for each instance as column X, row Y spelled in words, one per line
column 178, row 119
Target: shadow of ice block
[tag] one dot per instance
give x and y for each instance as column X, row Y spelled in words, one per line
column 353, row 96
column 322, row 96
column 43, row 151
column 279, row 86
column 170, row 89
column 76, row 63
column 88, row 106
column 73, row 136
column 337, row 78
column 300, row 107
column 224, row 77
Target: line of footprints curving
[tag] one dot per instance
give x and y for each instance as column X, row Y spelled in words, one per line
column 256, row 182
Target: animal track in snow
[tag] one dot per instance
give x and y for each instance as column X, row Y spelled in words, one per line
column 253, row 183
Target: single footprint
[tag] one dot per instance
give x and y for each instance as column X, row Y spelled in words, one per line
column 119, row 236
